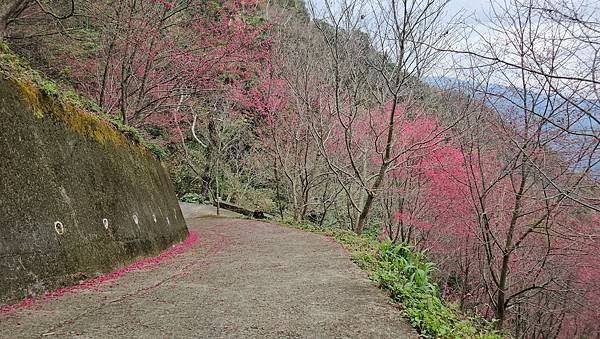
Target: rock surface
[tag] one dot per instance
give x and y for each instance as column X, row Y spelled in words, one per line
column 77, row 197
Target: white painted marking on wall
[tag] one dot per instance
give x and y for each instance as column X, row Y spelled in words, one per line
column 105, row 223
column 59, row 227
column 65, row 196
column 135, row 219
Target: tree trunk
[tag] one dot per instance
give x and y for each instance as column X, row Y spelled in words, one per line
column 217, row 197
column 362, row 218
column 123, row 90
column 277, row 190
column 500, row 309
column 360, row 224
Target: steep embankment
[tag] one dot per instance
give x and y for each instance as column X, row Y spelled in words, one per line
column 77, row 198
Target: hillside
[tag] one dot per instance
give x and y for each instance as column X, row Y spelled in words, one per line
column 326, row 116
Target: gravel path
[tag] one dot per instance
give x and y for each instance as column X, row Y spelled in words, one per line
column 240, row 279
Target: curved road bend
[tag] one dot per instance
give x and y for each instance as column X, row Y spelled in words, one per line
column 241, row 279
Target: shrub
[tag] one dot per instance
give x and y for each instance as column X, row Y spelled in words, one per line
column 191, row 198
column 49, row 88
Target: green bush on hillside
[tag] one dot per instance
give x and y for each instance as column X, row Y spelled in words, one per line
column 194, row 198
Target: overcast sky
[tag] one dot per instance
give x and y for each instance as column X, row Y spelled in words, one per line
column 470, row 6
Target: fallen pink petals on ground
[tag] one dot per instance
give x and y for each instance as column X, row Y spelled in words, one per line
column 112, row 277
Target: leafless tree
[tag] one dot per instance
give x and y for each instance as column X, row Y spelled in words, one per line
column 377, row 52
column 540, row 111
column 12, row 11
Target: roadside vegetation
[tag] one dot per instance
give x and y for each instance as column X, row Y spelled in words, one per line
column 405, row 273
column 477, row 143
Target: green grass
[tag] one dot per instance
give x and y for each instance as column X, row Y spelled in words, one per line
column 405, row 273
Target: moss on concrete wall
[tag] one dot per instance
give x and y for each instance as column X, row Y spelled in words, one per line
column 77, row 198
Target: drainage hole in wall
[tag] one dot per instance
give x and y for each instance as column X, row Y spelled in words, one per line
column 59, row 227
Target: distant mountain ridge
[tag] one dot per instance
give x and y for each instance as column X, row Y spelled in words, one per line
column 508, row 100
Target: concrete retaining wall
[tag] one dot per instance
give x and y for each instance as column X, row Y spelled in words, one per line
column 77, row 198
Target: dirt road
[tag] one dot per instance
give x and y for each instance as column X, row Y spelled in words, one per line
column 239, row 279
